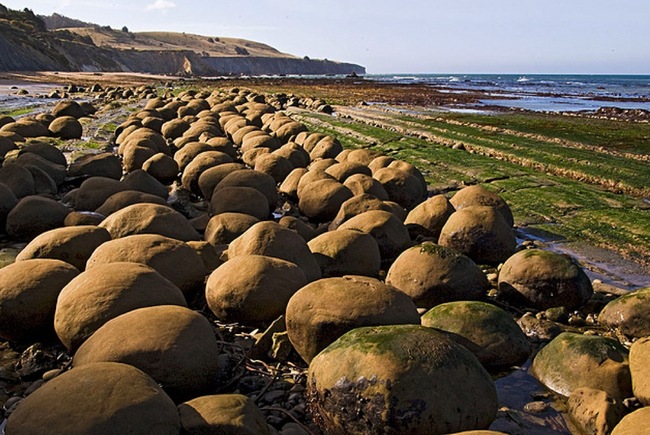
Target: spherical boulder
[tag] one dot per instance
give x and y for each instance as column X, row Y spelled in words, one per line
column 162, row 167
column 401, row 186
column 481, row 233
column 432, row 275
column 500, row 341
column 274, row 165
column 640, row 369
column 240, row 199
column 28, row 294
column 226, row 227
column 572, row 361
column 174, row 345
column 102, row 399
column 391, row 235
column 68, row 108
column 34, row 215
column 96, row 165
column 66, row 127
column 224, row 414
column 544, row 279
column 72, row 244
column 26, row 128
column 255, row 179
column 94, row 191
column 270, row 239
column 399, row 379
column 211, row 177
column 149, row 219
column 256, row 297
column 322, row 311
column 346, row 252
column 8, row 201
column 635, row 423
column 202, row 162
column 630, row 313
column 17, row 178
column 172, row 258
column 106, row 291
column 322, row 199
column 125, row 198
column 428, row 218
column 479, row 195
column 360, row 184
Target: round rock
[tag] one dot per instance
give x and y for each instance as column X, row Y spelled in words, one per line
column 379, row 379
column 28, row 293
column 105, row 292
column 543, row 279
column 150, row 219
column 481, row 233
column 479, row 195
column 171, row 258
column 223, row 414
column 256, row 297
column 34, row 215
column 501, row 341
column 102, row 399
column 73, row 244
column 629, row 313
column 432, row 274
column 346, row 252
column 322, row 311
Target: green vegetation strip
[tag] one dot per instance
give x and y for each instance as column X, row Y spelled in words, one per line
column 564, row 206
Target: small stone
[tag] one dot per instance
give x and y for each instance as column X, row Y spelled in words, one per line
column 536, row 407
column 51, row 374
column 557, row 314
column 281, row 347
column 10, row 404
column 275, row 421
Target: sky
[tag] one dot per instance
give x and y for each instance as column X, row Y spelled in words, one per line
column 407, row 36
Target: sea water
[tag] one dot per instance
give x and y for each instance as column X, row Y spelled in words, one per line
column 540, row 92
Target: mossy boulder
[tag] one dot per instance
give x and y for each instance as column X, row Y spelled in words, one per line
column 149, row 219
column 72, row 244
column 106, row 291
column 630, row 313
column 28, row 294
column 428, row 218
column 432, row 274
column 500, row 341
column 390, row 233
column 594, row 411
column 640, row 369
column 399, row 379
column 256, row 297
column 481, row 233
column 544, row 279
column 101, row 399
column 322, row 311
column 172, row 258
column 479, row 195
column 224, row 414
column 572, row 361
column 34, row 215
column 322, row 199
column 174, row 345
column 346, row 252
column 270, row 239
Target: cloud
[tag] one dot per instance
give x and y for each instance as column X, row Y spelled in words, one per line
column 160, row 5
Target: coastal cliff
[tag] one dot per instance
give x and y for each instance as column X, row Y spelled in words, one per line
column 32, row 43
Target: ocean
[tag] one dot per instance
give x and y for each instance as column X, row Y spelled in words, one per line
column 554, row 93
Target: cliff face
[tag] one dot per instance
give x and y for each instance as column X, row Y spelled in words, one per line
column 27, row 46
